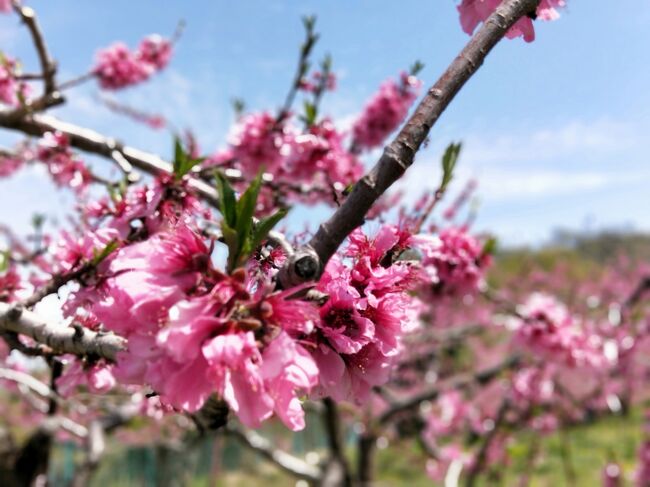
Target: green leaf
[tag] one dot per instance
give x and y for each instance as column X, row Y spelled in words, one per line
column 490, row 246
column 326, row 65
column 99, row 256
column 179, row 152
column 37, row 220
column 227, row 201
column 265, row 225
column 239, row 233
column 183, row 163
column 246, row 209
column 4, row 261
column 238, row 105
column 309, row 21
column 310, row 113
column 231, row 240
column 449, row 160
column 416, row 67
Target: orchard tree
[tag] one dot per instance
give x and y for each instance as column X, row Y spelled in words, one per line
column 185, row 305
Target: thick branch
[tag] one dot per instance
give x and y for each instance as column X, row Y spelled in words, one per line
column 75, row 340
column 283, row 460
column 399, row 155
column 93, row 142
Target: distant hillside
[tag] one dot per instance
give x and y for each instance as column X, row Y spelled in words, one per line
column 580, row 254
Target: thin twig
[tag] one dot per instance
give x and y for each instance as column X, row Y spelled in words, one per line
column 637, row 294
column 56, row 282
column 481, row 456
column 30, row 382
column 301, row 70
column 48, row 66
column 71, row 83
column 458, row 383
column 337, row 470
column 285, row 461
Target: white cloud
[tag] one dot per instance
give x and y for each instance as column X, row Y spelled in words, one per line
column 576, row 138
column 532, row 165
column 580, row 174
column 498, row 184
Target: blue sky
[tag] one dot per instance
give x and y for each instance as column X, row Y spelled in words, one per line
column 555, row 131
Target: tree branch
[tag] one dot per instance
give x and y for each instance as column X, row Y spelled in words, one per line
column 637, row 294
column 93, row 142
column 285, row 461
column 75, row 340
column 27, row 380
column 56, row 282
column 481, row 456
column 48, row 66
column 336, row 470
column 95, row 446
column 308, row 263
column 462, row 382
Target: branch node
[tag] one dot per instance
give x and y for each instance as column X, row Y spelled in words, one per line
column 15, row 312
column 304, row 265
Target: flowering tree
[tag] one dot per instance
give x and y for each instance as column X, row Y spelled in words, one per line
column 185, row 305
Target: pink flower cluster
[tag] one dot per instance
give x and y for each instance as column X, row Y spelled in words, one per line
column 117, row 66
column 321, row 152
column 96, row 378
column 367, row 313
column 454, row 261
column 385, row 111
column 258, row 141
column 10, row 283
column 65, row 169
column 451, row 413
column 317, row 156
column 5, row 6
column 533, row 386
column 156, row 51
column 193, row 331
column 11, row 89
column 129, row 216
column 145, row 210
column 71, row 251
column 473, row 12
column 9, row 165
column 547, row 328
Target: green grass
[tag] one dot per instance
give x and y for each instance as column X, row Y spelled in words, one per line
column 399, row 464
